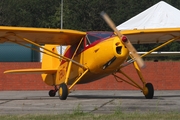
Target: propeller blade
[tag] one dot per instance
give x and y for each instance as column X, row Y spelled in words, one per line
column 126, row 42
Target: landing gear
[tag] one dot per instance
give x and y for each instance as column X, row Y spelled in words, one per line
column 63, row 91
column 148, row 91
column 147, row 88
column 52, row 93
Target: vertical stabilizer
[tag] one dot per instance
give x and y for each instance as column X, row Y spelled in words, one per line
column 50, row 62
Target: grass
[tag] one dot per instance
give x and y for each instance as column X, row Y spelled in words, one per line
column 79, row 115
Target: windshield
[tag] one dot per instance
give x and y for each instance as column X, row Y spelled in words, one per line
column 94, row 36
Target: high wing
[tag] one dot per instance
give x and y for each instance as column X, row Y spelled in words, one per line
column 40, row 35
column 38, row 71
column 146, row 36
column 143, row 36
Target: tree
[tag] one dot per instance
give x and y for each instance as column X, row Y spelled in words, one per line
column 78, row 14
column 34, row 13
column 85, row 14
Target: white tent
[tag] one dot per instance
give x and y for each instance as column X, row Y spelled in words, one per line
column 160, row 15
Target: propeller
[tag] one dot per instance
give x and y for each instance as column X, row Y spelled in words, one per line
column 124, row 39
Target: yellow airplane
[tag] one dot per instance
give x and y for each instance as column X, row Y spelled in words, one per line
column 89, row 56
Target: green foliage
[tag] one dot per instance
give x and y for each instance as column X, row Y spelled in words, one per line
column 34, row 13
column 81, row 15
column 77, row 14
column 113, row 116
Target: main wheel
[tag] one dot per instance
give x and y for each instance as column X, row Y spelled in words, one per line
column 150, row 93
column 63, row 91
column 52, row 93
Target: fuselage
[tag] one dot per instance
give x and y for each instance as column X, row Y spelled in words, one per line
column 101, row 52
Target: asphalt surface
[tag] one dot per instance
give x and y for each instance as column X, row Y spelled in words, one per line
column 101, row 102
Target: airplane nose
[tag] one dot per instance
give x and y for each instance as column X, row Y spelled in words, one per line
column 118, row 49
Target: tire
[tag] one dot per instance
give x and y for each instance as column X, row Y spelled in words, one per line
column 63, row 91
column 52, row 93
column 150, row 88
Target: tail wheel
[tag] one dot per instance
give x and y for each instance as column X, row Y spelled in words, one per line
column 150, row 91
column 63, row 91
column 52, row 93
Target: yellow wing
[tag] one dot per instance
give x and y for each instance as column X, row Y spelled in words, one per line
column 37, row 36
column 143, row 36
column 41, row 35
column 38, row 71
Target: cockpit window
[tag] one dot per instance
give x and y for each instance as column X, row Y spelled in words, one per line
column 94, row 36
column 92, row 39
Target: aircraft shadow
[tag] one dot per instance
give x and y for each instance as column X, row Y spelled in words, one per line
column 28, row 98
column 167, row 96
column 105, row 97
column 161, row 97
column 120, row 97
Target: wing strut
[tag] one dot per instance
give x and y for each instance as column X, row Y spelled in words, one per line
column 70, row 63
column 31, row 48
column 164, row 44
column 33, row 43
column 79, row 78
column 160, row 46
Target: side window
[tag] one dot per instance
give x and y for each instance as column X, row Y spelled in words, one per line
column 91, row 38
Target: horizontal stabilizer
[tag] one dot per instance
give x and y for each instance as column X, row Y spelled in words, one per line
column 37, row 71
